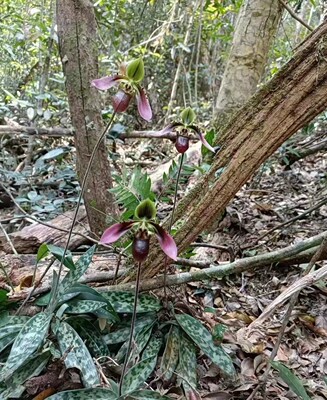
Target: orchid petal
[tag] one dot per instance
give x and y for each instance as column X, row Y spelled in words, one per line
column 143, row 104
column 107, row 82
column 166, row 242
column 170, row 128
column 202, row 139
column 116, row 231
column 121, row 101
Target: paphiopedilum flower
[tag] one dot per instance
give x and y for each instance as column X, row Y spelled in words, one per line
column 143, row 226
column 184, row 130
column 128, row 82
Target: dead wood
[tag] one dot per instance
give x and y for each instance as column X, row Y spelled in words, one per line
column 29, row 239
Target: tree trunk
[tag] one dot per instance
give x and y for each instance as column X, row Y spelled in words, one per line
column 78, row 51
column 295, row 95
column 255, row 28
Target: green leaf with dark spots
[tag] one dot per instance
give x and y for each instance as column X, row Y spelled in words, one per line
column 81, row 266
column 123, row 302
column 153, row 347
column 141, row 339
column 170, row 356
column 90, row 335
column 138, row 374
column 122, row 330
column 6, row 319
column 203, row 338
column 294, row 383
column 58, row 252
column 33, row 367
column 8, row 334
column 186, row 369
column 7, row 340
column 76, row 354
column 85, row 394
column 28, row 340
column 83, row 306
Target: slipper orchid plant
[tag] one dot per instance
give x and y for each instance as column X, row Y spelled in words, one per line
column 144, row 226
column 184, row 129
column 128, row 82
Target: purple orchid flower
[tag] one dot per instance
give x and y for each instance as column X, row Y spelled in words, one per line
column 183, row 130
column 128, row 82
column 145, row 212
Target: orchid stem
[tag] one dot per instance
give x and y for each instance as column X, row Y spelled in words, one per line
column 130, row 341
column 79, row 200
column 172, row 218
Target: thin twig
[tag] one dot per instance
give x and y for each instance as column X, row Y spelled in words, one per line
column 8, row 240
column 295, row 16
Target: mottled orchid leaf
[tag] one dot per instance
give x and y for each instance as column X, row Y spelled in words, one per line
column 85, row 394
column 121, row 334
column 294, row 383
column 123, row 302
column 90, row 335
column 84, row 292
column 139, row 342
column 138, row 374
column 170, row 356
column 33, row 367
column 203, row 338
column 145, row 395
column 6, row 319
column 7, row 340
column 188, row 116
column 8, row 334
column 28, row 340
column 153, row 347
column 83, row 306
column 76, row 354
column 186, row 369
column 135, row 70
column 81, row 266
column 58, row 252
column 8, row 329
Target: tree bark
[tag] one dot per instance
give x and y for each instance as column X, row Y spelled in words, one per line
column 78, row 51
column 255, row 28
column 293, row 97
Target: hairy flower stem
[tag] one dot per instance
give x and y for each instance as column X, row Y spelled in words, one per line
column 130, row 340
column 52, row 305
column 172, row 219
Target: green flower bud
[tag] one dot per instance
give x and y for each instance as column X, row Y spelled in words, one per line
column 135, row 70
column 188, row 116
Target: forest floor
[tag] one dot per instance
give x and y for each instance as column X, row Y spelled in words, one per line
column 274, row 196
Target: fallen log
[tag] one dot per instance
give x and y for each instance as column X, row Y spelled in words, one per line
column 29, row 239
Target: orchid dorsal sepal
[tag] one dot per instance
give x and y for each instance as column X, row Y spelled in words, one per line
column 188, row 116
column 135, row 70
column 146, row 210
